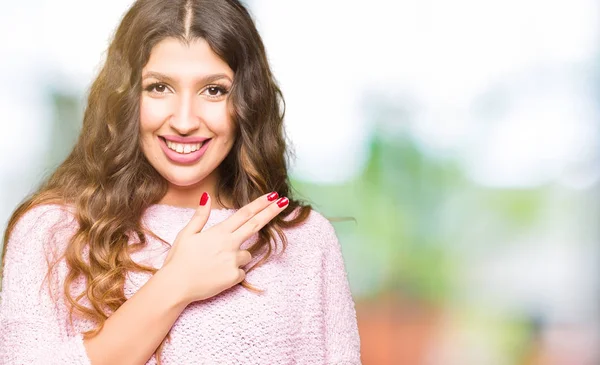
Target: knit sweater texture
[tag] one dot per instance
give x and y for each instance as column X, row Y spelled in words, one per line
column 305, row 315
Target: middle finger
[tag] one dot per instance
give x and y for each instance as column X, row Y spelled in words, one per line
column 247, row 212
column 257, row 222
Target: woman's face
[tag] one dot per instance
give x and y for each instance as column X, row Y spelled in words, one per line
column 186, row 127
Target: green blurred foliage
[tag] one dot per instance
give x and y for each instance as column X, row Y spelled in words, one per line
column 415, row 216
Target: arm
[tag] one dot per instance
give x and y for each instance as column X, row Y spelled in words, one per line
column 341, row 336
column 129, row 336
column 134, row 331
column 33, row 326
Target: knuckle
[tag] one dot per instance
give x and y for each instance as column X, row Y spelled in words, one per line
column 234, row 275
column 232, row 242
column 255, row 225
column 232, row 259
column 244, row 258
column 247, row 213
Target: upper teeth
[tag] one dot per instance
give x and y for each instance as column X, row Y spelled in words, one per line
column 184, row 147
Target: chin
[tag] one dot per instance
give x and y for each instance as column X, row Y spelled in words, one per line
column 183, row 180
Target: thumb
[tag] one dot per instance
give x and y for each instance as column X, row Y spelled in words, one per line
column 200, row 217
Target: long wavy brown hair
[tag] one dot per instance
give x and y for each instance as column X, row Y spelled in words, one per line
column 107, row 179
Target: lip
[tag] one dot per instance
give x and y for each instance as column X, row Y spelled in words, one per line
column 188, row 158
column 179, row 139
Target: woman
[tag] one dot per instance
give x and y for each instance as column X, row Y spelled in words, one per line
column 131, row 252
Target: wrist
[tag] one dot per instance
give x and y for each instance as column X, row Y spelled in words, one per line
column 173, row 287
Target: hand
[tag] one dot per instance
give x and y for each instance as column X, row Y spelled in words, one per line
column 203, row 264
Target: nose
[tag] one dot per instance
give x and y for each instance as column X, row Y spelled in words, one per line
column 184, row 119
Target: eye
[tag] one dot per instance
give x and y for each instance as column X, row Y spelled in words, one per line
column 157, row 88
column 215, row 91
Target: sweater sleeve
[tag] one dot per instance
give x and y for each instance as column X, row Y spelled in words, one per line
column 33, row 319
column 341, row 328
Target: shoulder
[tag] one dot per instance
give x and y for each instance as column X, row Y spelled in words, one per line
column 43, row 223
column 316, row 228
column 42, row 217
column 37, row 238
column 317, row 223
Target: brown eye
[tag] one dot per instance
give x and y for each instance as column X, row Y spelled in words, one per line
column 215, row 92
column 157, row 88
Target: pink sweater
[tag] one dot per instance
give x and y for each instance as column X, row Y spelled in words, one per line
column 305, row 316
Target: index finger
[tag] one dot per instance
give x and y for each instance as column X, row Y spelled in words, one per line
column 260, row 220
column 248, row 211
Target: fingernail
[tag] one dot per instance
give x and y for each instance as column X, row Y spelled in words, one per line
column 282, row 202
column 272, row 196
column 204, row 198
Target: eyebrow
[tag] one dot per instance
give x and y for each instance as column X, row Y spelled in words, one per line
column 203, row 80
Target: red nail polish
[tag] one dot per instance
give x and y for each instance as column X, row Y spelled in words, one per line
column 272, row 196
column 204, row 198
column 282, row 202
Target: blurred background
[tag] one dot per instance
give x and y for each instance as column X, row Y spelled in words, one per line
column 463, row 136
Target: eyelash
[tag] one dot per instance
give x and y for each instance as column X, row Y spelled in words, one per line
column 221, row 88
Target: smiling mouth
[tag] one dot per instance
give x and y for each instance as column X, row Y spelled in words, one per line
column 184, row 148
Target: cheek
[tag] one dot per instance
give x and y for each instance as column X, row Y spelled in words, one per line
column 219, row 120
column 152, row 114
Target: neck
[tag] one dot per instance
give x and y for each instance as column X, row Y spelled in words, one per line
column 189, row 196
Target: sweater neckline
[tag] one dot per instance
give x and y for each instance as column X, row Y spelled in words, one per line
column 161, row 209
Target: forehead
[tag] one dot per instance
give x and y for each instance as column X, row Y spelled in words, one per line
column 172, row 56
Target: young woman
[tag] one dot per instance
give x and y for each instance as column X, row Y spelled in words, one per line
column 176, row 191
